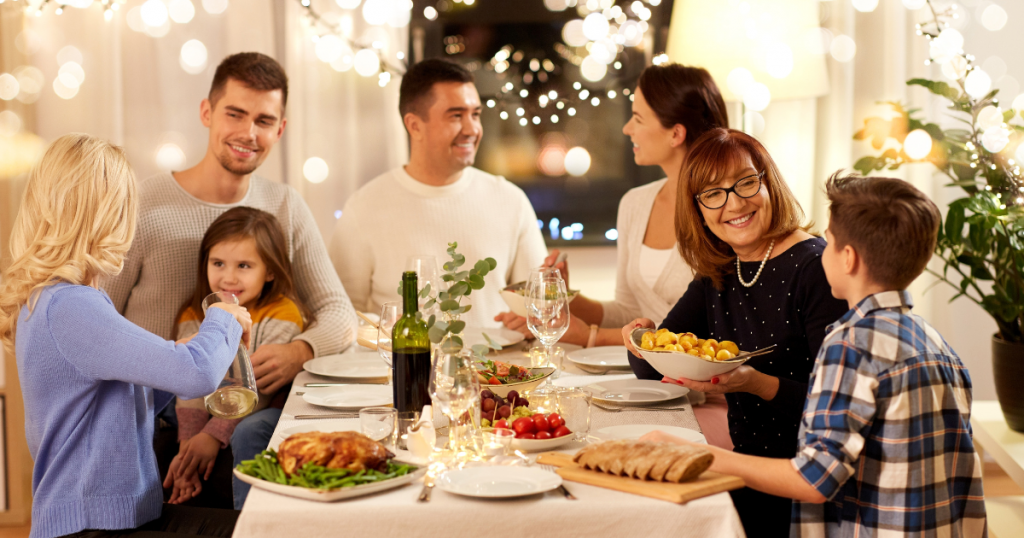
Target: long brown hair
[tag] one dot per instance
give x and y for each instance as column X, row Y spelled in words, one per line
column 708, row 159
column 241, row 223
column 683, row 95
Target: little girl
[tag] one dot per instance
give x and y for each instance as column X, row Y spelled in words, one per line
column 87, row 374
column 243, row 253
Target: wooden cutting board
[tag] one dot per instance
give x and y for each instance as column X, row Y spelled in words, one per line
column 706, row 484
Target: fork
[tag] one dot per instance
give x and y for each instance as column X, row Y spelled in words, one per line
column 561, row 487
column 638, row 408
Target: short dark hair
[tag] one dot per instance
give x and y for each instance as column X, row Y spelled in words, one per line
column 418, row 82
column 892, row 226
column 255, row 70
column 682, row 95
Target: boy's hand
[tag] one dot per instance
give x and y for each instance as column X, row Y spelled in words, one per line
column 629, row 328
column 241, row 315
column 185, row 488
column 276, row 365
column 742, row 379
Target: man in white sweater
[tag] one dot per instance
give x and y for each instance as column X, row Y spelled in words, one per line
column 437, row 198
column 245, row 116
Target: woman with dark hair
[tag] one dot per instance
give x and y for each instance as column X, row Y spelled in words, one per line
column 758, row 281
column 673, row 105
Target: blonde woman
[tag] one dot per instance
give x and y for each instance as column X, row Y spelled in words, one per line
column 87, row 374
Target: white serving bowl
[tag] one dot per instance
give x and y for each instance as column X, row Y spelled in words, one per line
column 517, row 303
column 676, row 364
column 521, row 387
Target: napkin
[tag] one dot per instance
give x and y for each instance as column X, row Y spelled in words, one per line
column 421, row 442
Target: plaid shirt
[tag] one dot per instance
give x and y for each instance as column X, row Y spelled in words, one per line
column 886, row 434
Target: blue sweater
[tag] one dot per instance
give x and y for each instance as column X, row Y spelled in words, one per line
column 87, row 377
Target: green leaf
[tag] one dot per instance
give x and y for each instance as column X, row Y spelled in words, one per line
column 494, row 345
column 955, row 221
column 431, row 320
column 482, row 267
column 458, row 289
column 492, row 263
column 1008, row 115
column 436, row 334
column 449, row 266
column 443, row 296
column 458, row 340
column 457, row 326
column 465, row 309
column 399, row 292
column 865, row 165
column 447, row 277
column 936, row 87
column 425, row 291
column 451, row 346
column 430, row 303
column 449, row 305
column 513, row 370
column 476, row 282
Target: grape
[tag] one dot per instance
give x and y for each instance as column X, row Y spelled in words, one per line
column 485, row 394
column 487, row 405
column 512, row 395
column 505, row 411
column 522, row 402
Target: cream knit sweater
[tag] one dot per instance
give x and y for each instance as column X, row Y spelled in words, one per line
column 160, row 270
column 394, row 216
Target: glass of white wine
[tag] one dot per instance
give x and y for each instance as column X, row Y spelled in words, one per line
column 236, row 396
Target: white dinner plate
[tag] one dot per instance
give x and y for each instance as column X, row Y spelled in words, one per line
column 361, row 365
column 635, row 391
column 498, row 482
column 472, row 336
column 607, row 357
column 332, row 495
column 636, row 431
column 330, row 425
column 350, row 396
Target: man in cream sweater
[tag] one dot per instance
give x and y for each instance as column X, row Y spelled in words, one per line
column 437, row 198
column 245, row 115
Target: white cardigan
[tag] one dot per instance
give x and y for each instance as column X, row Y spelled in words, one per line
column 633, row 297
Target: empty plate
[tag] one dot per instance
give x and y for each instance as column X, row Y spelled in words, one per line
column 350, row 396
column 636, row 431
column 606, row 357
column 635, row 391
column 362, row 365
column 503, row 337
column 496, row 482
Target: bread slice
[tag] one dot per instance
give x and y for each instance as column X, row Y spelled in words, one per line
column 643, row 468
column 694, row 461
column 658, row 470
column 615, row 454
column 639, row 453
column 593, row 458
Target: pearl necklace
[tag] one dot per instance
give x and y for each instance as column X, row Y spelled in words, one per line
column 739, row 273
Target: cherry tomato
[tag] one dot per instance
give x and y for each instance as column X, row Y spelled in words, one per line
column 525, row 436
column 493, row 381
column 562, row 431
column 501, row 424
column 524, row 425
column 554, row 421
column 543, row 435
column 541, row 423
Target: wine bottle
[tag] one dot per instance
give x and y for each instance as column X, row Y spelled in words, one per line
column 410, row 346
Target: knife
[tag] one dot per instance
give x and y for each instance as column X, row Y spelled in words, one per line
column 360, row 382
column 428, row 486
column 333, row 415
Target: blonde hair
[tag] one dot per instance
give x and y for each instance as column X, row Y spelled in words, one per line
column 75, row 224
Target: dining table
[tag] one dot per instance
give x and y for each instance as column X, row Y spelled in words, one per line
column 595, row 512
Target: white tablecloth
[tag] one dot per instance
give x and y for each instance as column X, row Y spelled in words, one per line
column 597, row 512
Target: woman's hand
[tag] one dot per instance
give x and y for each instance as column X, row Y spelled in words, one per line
column 658, row 436
column 514, row 322
column 562, row 267
column 628, row 329
column 241, row 315
column 742, row 379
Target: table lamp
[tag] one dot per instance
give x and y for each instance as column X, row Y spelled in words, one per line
column 779, row 42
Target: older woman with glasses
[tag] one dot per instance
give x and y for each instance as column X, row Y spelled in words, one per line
column 758, row 281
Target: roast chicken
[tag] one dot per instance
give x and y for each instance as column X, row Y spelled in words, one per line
column 338, row 450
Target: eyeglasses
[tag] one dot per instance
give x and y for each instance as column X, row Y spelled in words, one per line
column 744, row 188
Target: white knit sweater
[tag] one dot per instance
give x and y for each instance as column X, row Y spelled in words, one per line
column 160, row 270
column 394, row 216
column 633, row 297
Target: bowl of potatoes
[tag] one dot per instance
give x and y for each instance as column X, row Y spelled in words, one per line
column 677, row 355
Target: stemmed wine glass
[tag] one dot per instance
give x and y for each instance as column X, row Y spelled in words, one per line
column 455, row 389
column 390, row 313
column 547, row 310
column 236, row 396
column 425, row 268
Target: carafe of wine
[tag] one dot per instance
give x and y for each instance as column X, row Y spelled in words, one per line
column 410, row 347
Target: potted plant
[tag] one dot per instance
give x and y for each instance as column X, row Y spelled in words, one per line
column 981, row 242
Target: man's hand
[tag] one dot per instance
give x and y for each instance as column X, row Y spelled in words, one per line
column 514, row 322
column 562, row 267
column 742, row 379
column 276, row 365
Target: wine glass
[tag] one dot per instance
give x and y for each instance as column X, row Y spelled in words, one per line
column 390, row 312
column 455, row 389
column 236, row 396
column 547, row 310
column 425, row 268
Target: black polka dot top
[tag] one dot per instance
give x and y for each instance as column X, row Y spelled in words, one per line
column 790, row 306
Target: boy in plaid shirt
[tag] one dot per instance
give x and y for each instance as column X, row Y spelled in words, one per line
column 885, row 444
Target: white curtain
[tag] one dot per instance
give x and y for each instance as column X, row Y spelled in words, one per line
column 136, row 93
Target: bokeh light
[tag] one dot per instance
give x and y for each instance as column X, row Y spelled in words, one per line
column 592, row 69
column 918, row 144
column 366, row 62
column 347, row 4
column 215, row 7
column 154, row 13
column 843, row 48
column 757, row 97
column 865, row 6
column 739, row 80
column 10, row 123
column 9, row 86
column 170, row 157
column 990, row 116
column 193, row 57
column 71, row 74
column 181, row 11
column 779, row 60
column 329, row 48
column 577, row 161
column 69, row 54
column 315, row 170
column 572, row 33
column 595, row 27
column 995, row 139
column 977, row 83
column 994, row 18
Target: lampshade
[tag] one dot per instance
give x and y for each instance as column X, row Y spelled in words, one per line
column 778, row 41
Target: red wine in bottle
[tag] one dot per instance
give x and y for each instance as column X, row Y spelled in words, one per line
column 410, row 346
